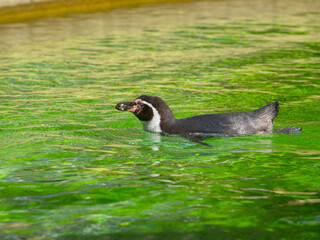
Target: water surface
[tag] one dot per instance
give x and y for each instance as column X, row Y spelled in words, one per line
column 72, row 167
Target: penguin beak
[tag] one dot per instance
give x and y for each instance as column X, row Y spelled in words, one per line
column 125, row 106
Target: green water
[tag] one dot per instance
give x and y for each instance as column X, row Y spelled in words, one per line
column 72, row 167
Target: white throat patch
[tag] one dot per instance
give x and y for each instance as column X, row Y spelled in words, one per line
column 154, row 124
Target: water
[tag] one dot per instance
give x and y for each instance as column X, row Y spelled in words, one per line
column 73, row 167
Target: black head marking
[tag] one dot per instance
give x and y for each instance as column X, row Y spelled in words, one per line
column 160, row 105
column 143, row 112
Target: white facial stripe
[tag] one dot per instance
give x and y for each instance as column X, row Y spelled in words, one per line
column 154, row 124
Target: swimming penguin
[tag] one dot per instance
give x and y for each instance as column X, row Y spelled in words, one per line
column 157, row 117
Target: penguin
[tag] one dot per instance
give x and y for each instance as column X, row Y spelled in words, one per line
column 157, row 117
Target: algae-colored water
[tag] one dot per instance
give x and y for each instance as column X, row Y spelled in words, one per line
column 72, row 167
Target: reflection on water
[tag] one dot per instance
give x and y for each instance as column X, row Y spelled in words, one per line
column 74, row 167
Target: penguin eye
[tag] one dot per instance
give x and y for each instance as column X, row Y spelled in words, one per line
column 140, row 103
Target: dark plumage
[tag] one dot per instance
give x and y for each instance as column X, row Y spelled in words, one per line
column 156, row 116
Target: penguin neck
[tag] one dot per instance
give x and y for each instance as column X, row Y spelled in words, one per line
column 162, row 119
